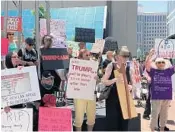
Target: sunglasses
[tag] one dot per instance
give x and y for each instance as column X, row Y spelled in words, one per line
column 11, row 34
column 125, row 56
column 161, row 62
column 14, row 57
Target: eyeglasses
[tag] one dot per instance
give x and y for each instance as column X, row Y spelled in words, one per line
column 161, row 62
column 87, row 55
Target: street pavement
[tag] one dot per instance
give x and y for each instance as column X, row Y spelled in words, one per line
column 171, row 118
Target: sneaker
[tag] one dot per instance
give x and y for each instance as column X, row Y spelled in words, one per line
column 146, row 117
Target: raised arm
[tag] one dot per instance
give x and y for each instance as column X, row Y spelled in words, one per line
column 148, row 60
column 108, row 72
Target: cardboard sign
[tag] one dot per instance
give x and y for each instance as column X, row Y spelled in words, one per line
column 14, row 24
column 110, row 44
column 85, row 35
column 98, row 46
column 17, row 120
column 4, row 46
column 81, row 81
column 19, row 86
column 165, row 48
column 128, row 111
column 74, row 46
column 55, row 119
column 54, row 58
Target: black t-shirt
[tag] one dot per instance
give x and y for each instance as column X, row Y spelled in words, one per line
column 29, row 56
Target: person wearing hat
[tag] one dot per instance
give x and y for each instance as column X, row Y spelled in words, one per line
column 114, row 117
column 28, row 54
column 160, row 99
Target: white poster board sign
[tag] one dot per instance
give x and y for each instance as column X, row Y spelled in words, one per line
column 165, row 48
column 173, row 83
column 19, row 86
column 136, row 78
column 81, row 81
column 98, row 46
column 17, row 120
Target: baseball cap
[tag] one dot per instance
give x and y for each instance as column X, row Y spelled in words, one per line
column 29, row 41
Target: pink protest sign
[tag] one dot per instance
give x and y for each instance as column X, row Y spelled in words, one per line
column 4, row 46
column 55, row 119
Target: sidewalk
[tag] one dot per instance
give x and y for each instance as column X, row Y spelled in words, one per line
column 171, row 118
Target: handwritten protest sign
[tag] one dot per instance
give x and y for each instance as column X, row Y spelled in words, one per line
column 43, row 27
column 19, row 86
column 55, row 119
column 98, row 46
column 4, row 46
column 17, row 120
column 14, row 24
column 165, row 48
column 55, row 58
column 74, row 46
column 82, row 82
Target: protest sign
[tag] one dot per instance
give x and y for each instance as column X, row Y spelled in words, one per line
column 74, row 46
column 81, row 81
column 55, row 119
column 57, row 28
column 19, row 86
column 43, row 27
column 135, row 72
column 14, row 24
column 165, row 48
column 85, row 35
column 4, row 46
column 126, row 101
column 98, row 46
column 161, row 87
column 54, row 58
column 17, row 120
column 59, row 43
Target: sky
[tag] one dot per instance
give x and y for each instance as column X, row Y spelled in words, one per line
column 153, row 6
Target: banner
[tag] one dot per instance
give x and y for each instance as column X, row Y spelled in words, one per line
column 85, row 35
column 4, row 46
column 74, row 46
column 55, row 119
column 55, row 58
column 17, row 120
column 81, row 81
column 161, row 87
column 98, row 46
column 19, row 86
column 165, row 48
column 14, row 24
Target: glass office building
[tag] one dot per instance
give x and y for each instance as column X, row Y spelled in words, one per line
column 171, row 17
column 149, row 27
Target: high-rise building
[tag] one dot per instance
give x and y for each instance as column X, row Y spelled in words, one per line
column 171, row 17
column 149, row 27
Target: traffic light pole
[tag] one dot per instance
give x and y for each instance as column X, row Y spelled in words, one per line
column 48, row 16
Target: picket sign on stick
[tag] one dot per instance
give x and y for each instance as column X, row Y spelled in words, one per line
column 55, row 119
column 17, row 120
column 19, row 86
column 126, row 101
column 98, row 46
column 81, row 81
column 165, row 48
